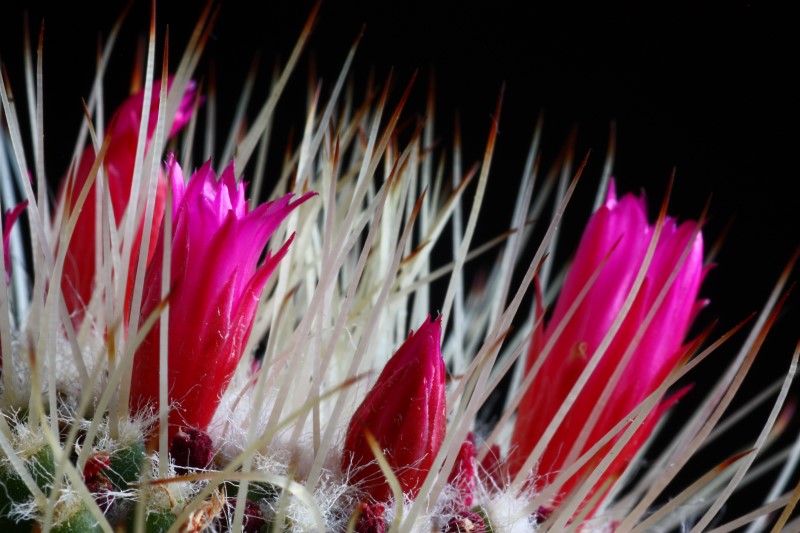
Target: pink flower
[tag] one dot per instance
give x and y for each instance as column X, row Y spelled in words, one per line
column 216, row 283
column 622, row 222
column 405, row 412
column 79, row 267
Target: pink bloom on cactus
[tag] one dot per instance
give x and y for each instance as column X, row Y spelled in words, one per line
column 216, row 284
column 622, row 223
column 79, row 267
column 405, row 412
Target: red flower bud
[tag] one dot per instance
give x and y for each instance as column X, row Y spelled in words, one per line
column 406, row 413
column 462, row 477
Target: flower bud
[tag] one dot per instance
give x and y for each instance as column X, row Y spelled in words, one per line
column 191, row 448
column 463, row 476
column 405, row 412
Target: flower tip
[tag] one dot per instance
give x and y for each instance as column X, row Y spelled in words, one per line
column 432, row 325
column 611, row 195
column 302, row 199
column 228, row 180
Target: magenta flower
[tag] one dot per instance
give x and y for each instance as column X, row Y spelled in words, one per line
column 216, row 283
column 405, row 412
column 622, row 222
column 79, row 267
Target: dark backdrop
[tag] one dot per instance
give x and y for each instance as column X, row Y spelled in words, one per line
column 706, row 91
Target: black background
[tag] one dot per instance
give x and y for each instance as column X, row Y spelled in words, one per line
column 707, row 92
